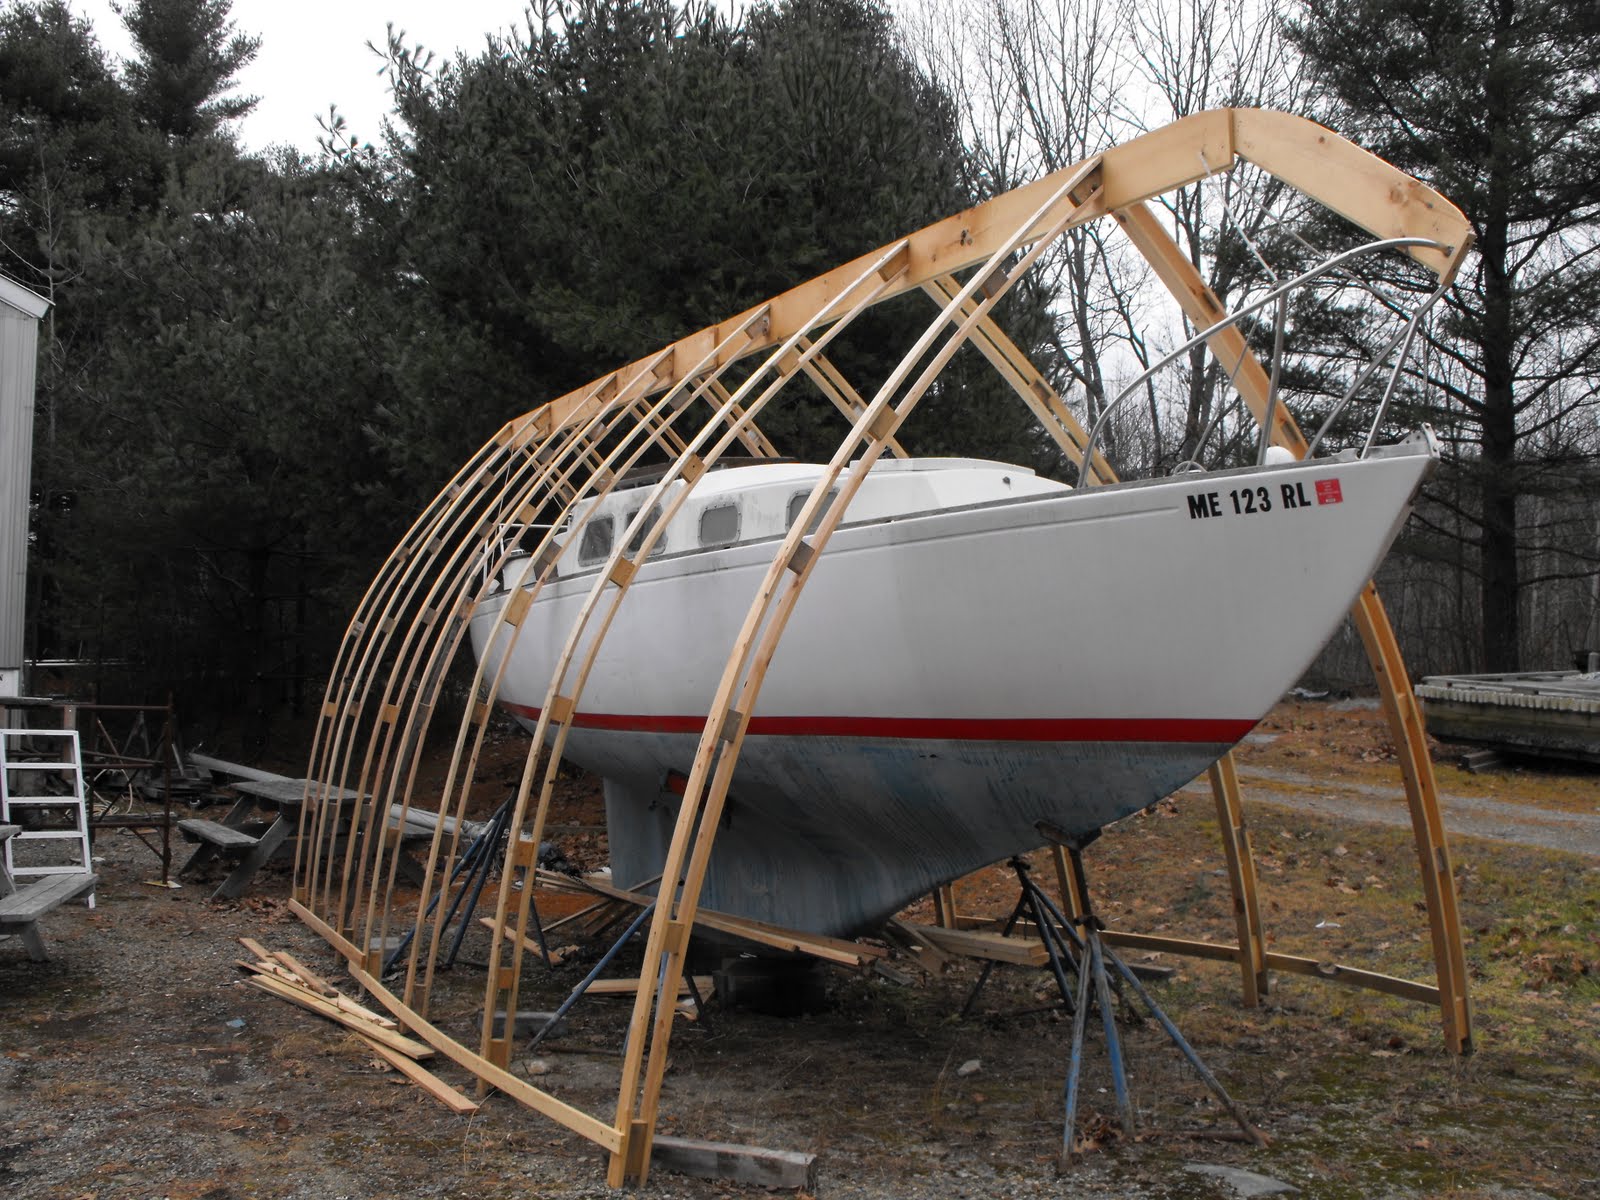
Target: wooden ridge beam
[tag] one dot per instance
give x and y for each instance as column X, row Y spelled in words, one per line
column 1365, row 189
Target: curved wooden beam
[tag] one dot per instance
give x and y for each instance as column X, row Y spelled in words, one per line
column 412, row 623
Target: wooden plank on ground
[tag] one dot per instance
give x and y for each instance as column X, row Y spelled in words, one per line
column 1025, row 952
column 338, row 999
column 756, row 1165
column 425, row 1079
column 388, row 1037
column 256, row 948
column 316, row 982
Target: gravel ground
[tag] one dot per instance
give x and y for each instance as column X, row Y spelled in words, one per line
column 135, row 1065
column 1464, row 816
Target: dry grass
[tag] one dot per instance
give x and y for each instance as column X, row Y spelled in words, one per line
column 1356, row 1086
column 135, row 1021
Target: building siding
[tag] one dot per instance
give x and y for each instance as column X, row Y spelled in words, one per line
column 19, row 340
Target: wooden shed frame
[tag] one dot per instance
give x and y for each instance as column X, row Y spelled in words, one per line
column 677, row 403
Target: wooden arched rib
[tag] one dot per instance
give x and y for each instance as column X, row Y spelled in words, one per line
column 612, row 582
column 723, row 736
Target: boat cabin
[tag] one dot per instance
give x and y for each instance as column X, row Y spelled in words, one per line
column 755, row 502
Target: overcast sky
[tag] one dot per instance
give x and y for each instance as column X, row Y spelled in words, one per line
column 314, row 53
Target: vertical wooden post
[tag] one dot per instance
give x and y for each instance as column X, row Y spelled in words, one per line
column 1242, row 880
column 1071, row 883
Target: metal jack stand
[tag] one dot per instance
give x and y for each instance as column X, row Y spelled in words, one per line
column 476, row 863
column 1097, row 955
column 1062, row 944
column 595, row 972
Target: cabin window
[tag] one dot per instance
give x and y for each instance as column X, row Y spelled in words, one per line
column 596, row 543
column 798, row 501
column 637, row 539
column 719, row 525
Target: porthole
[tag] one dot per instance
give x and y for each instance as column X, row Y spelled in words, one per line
column 637, row 540
column 719, row 525
column 596, row 543
column 798, row 501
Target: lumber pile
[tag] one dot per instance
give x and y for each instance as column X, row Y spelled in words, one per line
column 284, row 976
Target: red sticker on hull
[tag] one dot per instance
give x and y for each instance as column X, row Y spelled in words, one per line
column 1328, row 492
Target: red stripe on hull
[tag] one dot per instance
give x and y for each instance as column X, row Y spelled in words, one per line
column 953, row 729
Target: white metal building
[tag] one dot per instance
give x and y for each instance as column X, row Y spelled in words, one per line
column 20, row 314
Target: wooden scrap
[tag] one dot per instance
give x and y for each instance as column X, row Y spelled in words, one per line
column 788, row 1169
column 316, row 982
column 850, row 954
column 256, row 948
column 885, row 971
column 283, row 974
column 310, row 1000
column 582, row 915
column 288, row 968
column 1026, row 952
column 529, row 944
column 915, row 939
column 627, row 987
column 554, row 881
column 441, row 1091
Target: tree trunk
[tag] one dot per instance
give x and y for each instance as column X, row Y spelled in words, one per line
column 1498, row 484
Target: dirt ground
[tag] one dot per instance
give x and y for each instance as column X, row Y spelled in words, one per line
column 136, row 1064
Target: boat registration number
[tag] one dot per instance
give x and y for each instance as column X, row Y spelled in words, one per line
column 1260, row 498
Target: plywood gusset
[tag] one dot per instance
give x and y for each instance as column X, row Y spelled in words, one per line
column 523, row 499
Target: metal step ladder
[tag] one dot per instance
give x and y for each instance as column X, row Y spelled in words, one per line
column 30, row 761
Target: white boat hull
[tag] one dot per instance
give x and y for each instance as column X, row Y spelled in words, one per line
column 948, row 681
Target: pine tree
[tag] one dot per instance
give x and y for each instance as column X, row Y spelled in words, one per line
column 188, row 55
column 1496, row 103
column 625, row 172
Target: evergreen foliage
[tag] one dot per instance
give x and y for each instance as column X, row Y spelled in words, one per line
column 1497, row 105
column 187, row 56
column 256, row 369
column 624, row 172
column 207, row 374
